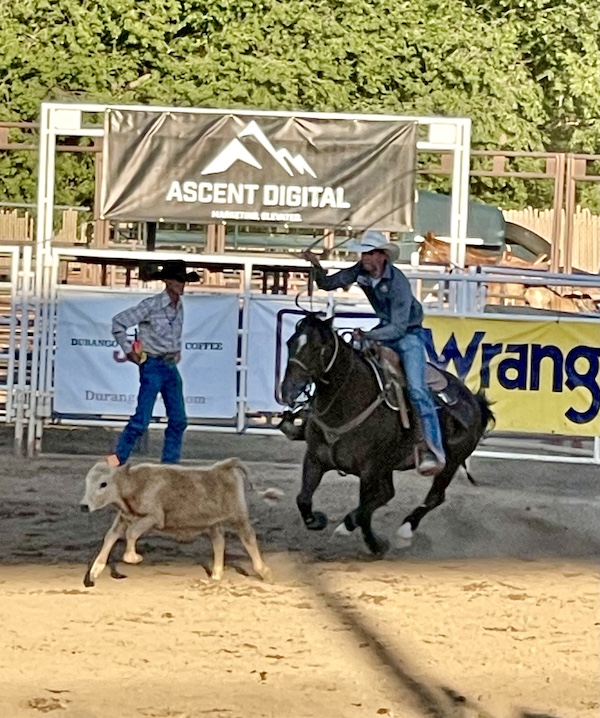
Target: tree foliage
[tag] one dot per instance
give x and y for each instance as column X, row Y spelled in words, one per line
column 525, row 71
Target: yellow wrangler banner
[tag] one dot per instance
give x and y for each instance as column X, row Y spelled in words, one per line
column 542, row 376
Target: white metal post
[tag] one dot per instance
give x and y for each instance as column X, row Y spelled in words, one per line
column 47, row 375
column 12, row 336
column 245, row 330
column 22, row 391
column 45, row 206
column 460, row 204
column 597, row 449
column 461, row 166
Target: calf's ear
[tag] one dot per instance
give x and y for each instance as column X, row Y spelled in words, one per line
column 123, row 470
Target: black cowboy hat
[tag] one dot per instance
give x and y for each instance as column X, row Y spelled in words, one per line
column 175, row 269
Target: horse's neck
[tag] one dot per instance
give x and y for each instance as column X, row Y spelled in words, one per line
column 349, row 378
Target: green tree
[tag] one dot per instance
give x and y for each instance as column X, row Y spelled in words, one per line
column 502, row 63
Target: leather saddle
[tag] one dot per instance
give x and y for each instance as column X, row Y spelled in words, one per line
column 390, row 374
column 388, row 370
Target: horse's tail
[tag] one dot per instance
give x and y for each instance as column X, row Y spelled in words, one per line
column 468, row 474
column 487, row 415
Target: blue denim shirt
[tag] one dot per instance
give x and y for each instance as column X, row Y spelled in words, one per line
column 392, row 299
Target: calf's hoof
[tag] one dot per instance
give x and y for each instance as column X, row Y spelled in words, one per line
column 266, row 574
column 88, row 581
column 133, row 558
column 316, row 522
column 114, row 572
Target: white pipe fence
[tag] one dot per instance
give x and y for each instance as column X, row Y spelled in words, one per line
column 32, row 324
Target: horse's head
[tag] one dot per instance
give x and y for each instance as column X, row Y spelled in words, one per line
column 312, row 349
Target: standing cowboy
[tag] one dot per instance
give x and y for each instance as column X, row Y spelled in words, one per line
column 401, row 316
column 160, row 322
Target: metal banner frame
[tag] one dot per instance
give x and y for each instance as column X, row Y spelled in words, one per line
column 445, row 134
column 73, row 120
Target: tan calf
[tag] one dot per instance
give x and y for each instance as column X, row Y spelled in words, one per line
column 177, row 500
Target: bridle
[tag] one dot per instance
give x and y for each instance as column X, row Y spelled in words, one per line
column 327, row 369
column 333, row 434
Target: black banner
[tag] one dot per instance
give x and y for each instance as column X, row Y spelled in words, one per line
column 304, row 170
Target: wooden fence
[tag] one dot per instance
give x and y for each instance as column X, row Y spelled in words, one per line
column 586, row 232
column 15, row 226
column 18, row 226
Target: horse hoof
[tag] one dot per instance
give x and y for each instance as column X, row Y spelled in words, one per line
column 316, row 522
column 379, row 547
column 342, row 531
column 405, row 531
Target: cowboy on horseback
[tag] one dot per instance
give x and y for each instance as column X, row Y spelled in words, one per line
column 401, row 316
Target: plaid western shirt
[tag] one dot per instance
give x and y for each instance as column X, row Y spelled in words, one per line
column 160, row 325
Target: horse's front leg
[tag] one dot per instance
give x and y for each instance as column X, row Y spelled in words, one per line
column 376, row 489
column 312, row 473
column 349, row 524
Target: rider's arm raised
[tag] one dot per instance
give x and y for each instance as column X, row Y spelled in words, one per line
column 343, row 278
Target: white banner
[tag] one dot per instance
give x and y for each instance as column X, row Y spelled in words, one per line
column 272, row 323
column 92, row 376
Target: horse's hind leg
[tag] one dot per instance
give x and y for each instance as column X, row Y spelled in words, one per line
column 312, row 473
column 435, row 497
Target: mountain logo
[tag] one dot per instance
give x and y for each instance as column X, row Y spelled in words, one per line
column 237, row 151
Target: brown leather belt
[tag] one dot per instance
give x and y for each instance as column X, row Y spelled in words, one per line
column 169, row 358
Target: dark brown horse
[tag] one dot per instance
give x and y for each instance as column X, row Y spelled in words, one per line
column 351, row 429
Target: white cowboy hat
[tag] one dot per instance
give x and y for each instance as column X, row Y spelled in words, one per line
column 373, row 239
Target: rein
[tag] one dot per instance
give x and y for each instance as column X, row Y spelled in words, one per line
column 347, row 375
column 333, row 433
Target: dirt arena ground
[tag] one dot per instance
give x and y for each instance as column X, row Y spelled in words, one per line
column 493, row 611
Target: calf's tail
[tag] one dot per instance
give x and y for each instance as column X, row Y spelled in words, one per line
column 270, row 495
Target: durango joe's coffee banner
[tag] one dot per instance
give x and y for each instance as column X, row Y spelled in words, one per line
column 303, row 170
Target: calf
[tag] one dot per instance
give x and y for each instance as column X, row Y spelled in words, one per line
column 177, row 500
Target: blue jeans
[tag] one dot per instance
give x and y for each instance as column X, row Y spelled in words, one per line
column 157, row 375
column 411, row 349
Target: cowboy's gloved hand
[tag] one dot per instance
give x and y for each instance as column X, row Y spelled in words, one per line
column 311, row 257
column 358, row 338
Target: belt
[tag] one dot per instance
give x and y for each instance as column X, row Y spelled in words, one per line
column 170, row 357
